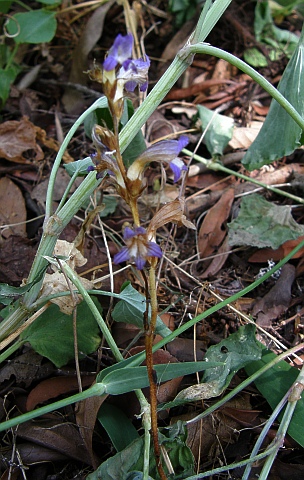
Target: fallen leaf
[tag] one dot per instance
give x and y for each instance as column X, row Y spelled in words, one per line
column 12, row 209
column 265, row 254
column 212, row 231
column 277, row 300
column 26, row 368
column 243, row 137
column 17, row 138
column 55, row 433
column 53, row 387
column 16, row 256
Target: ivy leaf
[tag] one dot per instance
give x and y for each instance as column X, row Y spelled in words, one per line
column 263, row 224
column 280, row 135
column 219, row 131
column 80, row 167
column 131, row 309
column 37, row 26
column 51, row 334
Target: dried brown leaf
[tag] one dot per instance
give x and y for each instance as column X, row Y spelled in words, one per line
column 12, row 209
column 18, row 137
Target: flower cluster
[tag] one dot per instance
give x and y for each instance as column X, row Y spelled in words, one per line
column 122, row 73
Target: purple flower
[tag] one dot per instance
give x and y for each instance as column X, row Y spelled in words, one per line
column 164, row 151
column 133, row 73
column 138, row 248
column 120, row 52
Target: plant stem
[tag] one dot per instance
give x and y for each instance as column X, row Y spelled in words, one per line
column 217, row 166
column 257, row 77
column 150, row 330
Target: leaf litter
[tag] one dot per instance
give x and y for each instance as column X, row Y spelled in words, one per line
column 74, row 436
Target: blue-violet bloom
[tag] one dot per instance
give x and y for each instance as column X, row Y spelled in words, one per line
column 120, row 52
column 164, row 151
column 138, row 248
column 133, row 73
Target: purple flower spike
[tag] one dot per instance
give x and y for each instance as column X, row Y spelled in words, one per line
column 120, row 52
column 137, row 248
column 133, row 73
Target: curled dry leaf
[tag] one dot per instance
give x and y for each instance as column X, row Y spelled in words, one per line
column 171, row 212
column 56, row 282
column 18, row 137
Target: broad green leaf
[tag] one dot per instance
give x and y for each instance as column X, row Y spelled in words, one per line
column 234, row 352
column 219, row 130
column 80, row 167
column 127, row 379
column 115, row 421
column 51, row 334
column 274, row 384
column 128, row 464
column 263, row 224
column 37, row 26
column 110, row 203
column 131, row 309
column 280, row 135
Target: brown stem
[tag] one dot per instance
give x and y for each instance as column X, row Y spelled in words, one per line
column 150, row 329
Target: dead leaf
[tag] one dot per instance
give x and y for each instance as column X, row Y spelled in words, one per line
column 72, row 99
column 53, row 387
column 16, row 256
column 277, row 300
column 243, row 137
column 26, row 368
column 265, row 254
column 56, row 282
column 55, row 433
column 213, row 231
column 17, row 138
column 86, row 418
column 12, row 208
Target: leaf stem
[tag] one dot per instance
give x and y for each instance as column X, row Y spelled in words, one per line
column 204, row 48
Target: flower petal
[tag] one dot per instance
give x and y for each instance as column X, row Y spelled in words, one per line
column 177, row 166
column 154, row 250
column 140, row 262
column 120, row 51
column 122, row 256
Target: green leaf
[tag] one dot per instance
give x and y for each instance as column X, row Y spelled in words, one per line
column 274, row 384
column 255, row 57
column 219, row 130
column 7, row 78
column 115, row 421
column 263, row 224
column 131, row 309
column 127, row 379
column 51, row 334
column 110, row 204
column 50, row 2
column 128, row 464
column 37, row 26
column 80, row 167
column 280, row 135
column 5, row 5
column 234, row 352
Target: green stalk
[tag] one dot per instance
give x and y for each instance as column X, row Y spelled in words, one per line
column 294, row 397
column 96, row 390
column 218, row 167
column 257, row 77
